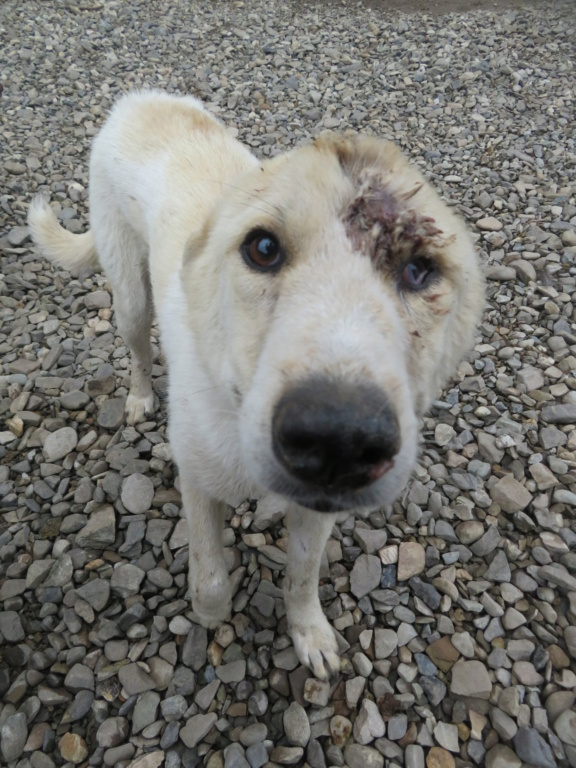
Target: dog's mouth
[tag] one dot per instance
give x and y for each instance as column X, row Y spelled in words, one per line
column 341, row 495
column 324, row 504
column 326, row 499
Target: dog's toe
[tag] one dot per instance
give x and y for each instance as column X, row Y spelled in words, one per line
column 137, row 408
column 211, row 616
column 212, row 602
column 317, row 649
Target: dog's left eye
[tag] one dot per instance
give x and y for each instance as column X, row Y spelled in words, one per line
column 261, row 251
column 418, row 274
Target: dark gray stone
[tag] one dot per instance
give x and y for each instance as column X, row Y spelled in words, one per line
column 531, row 748
column 426, row 592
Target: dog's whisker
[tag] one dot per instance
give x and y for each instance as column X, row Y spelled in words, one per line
column 272, row 206
column 204, row 389
column 196, row 392
column 258, row 208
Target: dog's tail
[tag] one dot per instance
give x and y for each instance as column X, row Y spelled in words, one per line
column 56, row 243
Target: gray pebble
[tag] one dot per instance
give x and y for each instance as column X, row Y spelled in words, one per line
column 137, row 493
column 358, row 756
column 366, row 575
column 59, row 444
column 257, row 755
column 257, row 703
column 13, row 733
column 11, row 627
column 111, row 414
column 145, row 710
column 112, row 732
column 79, row 677
column 196, row 728
column 126, row 580
column 100, row 530
column 296, row 725
column 233, row 672
column 531, row 748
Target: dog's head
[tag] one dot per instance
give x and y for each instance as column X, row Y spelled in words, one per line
column 343, row 295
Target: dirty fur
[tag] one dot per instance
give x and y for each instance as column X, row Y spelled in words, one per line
column 390, row 229
column 173, row 196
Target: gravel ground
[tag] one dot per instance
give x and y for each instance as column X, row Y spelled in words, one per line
column 457, row 615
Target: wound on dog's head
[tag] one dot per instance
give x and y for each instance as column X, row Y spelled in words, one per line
column 395, row 236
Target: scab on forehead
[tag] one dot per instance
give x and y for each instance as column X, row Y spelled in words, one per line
column 386, row 227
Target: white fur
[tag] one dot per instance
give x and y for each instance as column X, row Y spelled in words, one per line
column 172, row 196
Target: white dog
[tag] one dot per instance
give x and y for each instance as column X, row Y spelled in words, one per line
column 310, row 308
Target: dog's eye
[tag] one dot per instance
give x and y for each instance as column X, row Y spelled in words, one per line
column 418, row 274
column 261, row 250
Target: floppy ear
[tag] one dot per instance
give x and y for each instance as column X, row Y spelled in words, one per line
column 357, row 153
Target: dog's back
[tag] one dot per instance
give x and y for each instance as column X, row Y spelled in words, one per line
column 157, row 168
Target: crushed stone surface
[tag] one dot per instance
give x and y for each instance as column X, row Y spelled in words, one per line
column 456, row 615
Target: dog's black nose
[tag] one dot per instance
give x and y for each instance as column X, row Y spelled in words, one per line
column 334, row 435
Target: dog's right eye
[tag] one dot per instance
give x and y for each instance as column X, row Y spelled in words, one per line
column 418, row 274
column 261, row 251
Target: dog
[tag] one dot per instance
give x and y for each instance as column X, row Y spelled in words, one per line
column 310, row 308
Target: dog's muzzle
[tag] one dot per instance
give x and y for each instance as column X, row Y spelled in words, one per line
column 333, row 436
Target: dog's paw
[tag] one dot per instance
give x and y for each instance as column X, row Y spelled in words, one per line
column 211, row 616
column 316, row 647
column 212, row 604
column 137, row 408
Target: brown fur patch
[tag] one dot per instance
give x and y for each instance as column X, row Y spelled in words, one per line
column 159, row 128
column 178, row 117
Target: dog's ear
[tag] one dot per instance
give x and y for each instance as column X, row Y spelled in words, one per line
column 342, row 145
column 358, row 154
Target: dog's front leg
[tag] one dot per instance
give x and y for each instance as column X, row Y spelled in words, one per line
column 210, row 589
column 313, row 637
